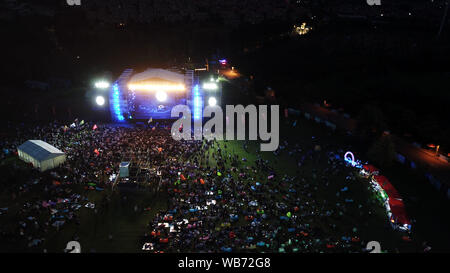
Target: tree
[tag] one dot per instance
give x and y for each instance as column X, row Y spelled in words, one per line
column 371, row 120
column 382, row 151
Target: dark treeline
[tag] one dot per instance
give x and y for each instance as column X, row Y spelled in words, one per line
column 401, row 72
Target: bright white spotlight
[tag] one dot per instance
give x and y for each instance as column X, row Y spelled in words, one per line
column 161, row 96
column 100, row 100
column 102, row 84
column 212, row 101
column 210, row 86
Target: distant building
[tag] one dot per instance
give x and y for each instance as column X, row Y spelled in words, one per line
column 42, row 155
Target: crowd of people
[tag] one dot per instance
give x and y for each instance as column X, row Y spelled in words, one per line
column 219, row 200
column 53, row 198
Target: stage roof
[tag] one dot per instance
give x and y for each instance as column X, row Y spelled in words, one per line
column 157, row 74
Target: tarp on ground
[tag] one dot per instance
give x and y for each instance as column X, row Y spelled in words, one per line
column 401, row 158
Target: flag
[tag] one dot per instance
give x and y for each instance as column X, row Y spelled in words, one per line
column 96, row 152
column 95, row 127
column 82, row 122
column 150, row 120
column 65, row 128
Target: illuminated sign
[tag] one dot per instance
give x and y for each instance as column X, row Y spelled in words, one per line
column 350, row 158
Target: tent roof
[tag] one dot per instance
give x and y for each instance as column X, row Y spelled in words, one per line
column 370, row 168
column 387, row 186
column 157, row 73
column 395, row 200
column 40, row 150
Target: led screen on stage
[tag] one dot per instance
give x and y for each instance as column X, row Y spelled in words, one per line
column 153, row 93
column 153, row 105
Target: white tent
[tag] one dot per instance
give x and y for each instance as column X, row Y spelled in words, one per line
column 41, row 154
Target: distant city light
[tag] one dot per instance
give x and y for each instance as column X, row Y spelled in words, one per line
column 100, row 100
column 302, row 29
column 212, row 101
column 161, row 96
column 210, row 86
column 102, row 84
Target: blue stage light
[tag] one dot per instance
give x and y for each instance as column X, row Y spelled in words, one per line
column 116, row 103
column 198, row 103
